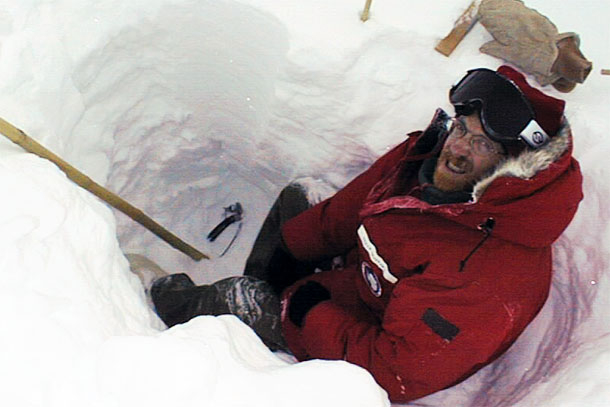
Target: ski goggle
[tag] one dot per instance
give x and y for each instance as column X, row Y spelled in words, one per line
column 505, row 113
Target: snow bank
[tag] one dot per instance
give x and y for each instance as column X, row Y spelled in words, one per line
column 183, row 107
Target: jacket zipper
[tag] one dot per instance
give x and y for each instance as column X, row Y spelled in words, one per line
column 486, row 227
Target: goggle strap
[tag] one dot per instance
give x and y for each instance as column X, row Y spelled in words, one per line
column 534, row 136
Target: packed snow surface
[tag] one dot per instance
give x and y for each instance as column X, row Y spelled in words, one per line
column 184, row 107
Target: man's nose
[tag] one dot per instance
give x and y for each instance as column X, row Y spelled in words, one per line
column 461, row 146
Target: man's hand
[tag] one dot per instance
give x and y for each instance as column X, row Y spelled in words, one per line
column 304, row 299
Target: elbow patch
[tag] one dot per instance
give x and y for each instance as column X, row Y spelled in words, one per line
column 439, row 325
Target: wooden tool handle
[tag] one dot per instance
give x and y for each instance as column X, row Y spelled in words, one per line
column 20, row 138
column 461, row 27
column 367, row 10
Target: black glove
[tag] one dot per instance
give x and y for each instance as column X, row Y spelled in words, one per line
column 304, row 299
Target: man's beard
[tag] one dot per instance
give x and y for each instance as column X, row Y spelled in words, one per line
column 458, row 179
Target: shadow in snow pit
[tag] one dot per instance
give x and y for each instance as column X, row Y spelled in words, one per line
column 184, row 99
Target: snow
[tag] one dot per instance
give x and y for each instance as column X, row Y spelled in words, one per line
column 184, row 107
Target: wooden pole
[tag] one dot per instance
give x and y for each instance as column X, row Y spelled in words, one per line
column 461, row 27
column 367, row 8
column 20, row 138
column 605, row 71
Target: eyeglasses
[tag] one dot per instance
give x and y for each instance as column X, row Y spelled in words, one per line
column 480, row 145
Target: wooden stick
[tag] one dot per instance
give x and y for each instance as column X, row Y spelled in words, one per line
column 367, row 8
column 605, row 71
column 20, row 138
column 461, row 27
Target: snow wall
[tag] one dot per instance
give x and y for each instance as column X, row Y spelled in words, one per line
column 184, row 107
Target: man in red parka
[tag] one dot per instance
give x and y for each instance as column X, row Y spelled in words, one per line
column 445, row 240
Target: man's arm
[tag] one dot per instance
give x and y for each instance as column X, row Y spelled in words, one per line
column 419, row 347
column 329, row 228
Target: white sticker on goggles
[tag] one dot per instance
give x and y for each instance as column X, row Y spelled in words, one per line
column 534, row 136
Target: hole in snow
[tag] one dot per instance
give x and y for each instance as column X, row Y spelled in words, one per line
column 183, row 139
column 196, row 88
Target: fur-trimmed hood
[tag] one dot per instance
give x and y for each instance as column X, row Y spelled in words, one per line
column 531, row 198
column 527, row 164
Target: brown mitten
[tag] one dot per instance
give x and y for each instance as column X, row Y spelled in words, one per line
column 571, row 65
column 529, row 40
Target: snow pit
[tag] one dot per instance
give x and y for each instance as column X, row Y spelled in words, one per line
column 184, row 107
column 185, row 133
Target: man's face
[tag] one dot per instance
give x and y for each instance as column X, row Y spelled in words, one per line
column 461, row 164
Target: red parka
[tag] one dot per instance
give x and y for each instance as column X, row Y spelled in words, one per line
column 430, row 294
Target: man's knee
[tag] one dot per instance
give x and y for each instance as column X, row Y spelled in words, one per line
column 292, row 201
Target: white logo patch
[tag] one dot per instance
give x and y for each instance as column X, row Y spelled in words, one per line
column 371, row 279
column 534, row 135
column 375, row 257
